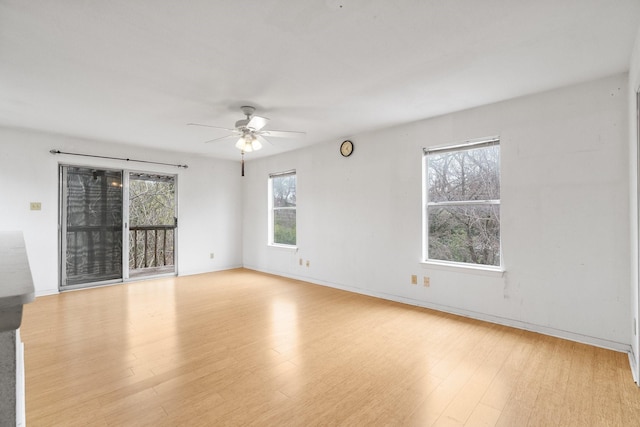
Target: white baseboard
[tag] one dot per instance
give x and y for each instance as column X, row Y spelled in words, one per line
column 213, row 270
column 545, row 330
column 45, row 292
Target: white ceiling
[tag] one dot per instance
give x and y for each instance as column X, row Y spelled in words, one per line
column 137, row 71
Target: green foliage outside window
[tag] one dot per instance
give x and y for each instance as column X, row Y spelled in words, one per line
column 284, row 235
column 283, row 189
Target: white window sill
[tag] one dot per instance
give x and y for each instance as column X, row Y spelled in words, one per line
column 483, row 270
column 285, row 247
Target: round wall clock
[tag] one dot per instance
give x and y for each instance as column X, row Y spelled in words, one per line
column 346, row 148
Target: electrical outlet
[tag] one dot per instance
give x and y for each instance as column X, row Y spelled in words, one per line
column 426, row 282
column 414, row 279
column 308, row 263
column 300, row 261
column 35, row 206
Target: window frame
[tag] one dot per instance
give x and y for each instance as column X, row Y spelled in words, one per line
column 447, row 264
column 272, row 209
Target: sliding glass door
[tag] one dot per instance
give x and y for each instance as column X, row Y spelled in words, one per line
column 92, row 226
column 115, row 225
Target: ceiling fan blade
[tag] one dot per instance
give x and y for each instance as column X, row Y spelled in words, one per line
column 283, row 133
column 209, row 126
column 262, row 139
column 218, row 139
column 257, row 122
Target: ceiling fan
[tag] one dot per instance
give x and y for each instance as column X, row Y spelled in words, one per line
column 250, row 131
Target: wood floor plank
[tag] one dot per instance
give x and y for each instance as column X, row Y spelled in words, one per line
column 245, row 348
column 483, row 416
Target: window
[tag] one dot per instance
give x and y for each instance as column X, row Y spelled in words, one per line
column 282, row 209
column 462, row 203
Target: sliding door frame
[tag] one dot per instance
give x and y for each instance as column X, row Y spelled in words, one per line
column 62, row 227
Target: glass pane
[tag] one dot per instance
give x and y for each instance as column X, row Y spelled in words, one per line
column 152, row 200
column 284, row 191
column 469, row 234
column 152, row 207
column 472, row 174
column 284, row 226
column 94, row 225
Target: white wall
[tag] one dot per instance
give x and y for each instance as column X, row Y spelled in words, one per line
column 209, row 202
column 634, row 86
column 565, row 214
column 565, row 211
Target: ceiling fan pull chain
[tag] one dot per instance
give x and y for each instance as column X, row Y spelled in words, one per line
column 242, row 162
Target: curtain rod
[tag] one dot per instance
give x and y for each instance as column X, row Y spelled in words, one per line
column 117, row 158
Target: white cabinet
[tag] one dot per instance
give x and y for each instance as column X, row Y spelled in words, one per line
column 16, row 289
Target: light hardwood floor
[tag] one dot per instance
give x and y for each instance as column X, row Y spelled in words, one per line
column 245, row 348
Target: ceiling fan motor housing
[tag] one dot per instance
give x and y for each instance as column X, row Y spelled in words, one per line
column 248, row 110
column 242, row 123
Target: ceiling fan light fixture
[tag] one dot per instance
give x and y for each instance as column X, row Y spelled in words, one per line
column 243, row 146
column 248, row 143
column 256, row 145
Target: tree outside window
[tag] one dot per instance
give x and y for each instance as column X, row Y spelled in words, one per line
column 283, row 208
column 462, row 209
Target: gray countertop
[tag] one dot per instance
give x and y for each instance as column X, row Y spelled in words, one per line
column 16, row 284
